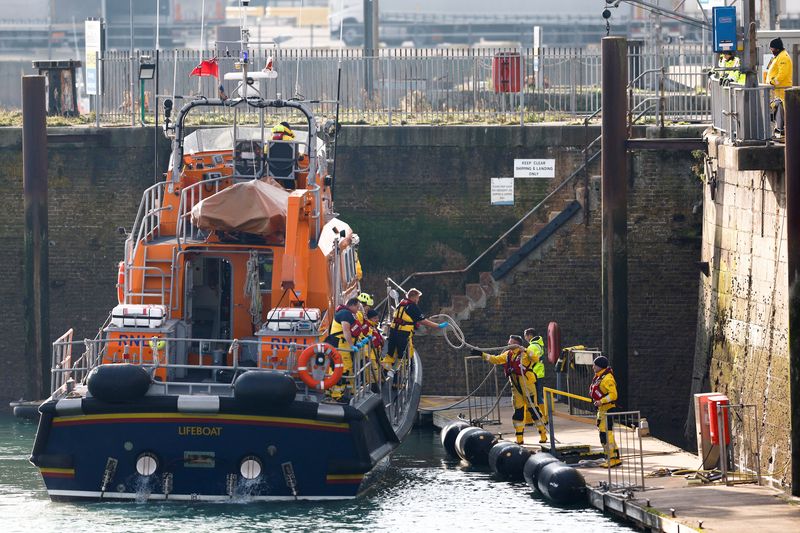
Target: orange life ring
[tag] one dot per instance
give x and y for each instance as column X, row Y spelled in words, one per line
column 320, row 351
column 553, row 342
column 121, row 282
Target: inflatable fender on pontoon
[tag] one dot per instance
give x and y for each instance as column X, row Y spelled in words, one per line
column 561, row 484
column 473, row 445
column 534, row 465
column 507, row 459
column 449, row 434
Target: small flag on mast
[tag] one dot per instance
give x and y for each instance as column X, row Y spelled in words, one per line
column 268, row 66
column 207, row 67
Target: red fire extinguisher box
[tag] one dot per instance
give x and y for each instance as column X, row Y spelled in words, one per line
column 506, row 72
column 714, row 403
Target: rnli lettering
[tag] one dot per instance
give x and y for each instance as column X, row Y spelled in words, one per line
column 285, row 342
column 133, row 339
column 199, row 431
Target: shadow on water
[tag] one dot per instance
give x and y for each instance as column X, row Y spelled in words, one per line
column 420, row 489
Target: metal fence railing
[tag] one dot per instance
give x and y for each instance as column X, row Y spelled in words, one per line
column 483, row 391
column 427, row 86
column 629, row 474
column 740, row 458
column 579, row 378
column 741, row 113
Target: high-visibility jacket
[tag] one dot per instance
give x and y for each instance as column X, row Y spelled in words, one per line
column 282, row 133
column 736, row 75
column 779, row 73
column 604, row 388
column 515, row 361
column 536, row 352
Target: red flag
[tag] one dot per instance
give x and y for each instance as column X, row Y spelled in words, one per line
column 207, row 67
column 268, row 66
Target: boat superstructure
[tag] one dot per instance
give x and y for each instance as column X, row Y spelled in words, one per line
column 232, row 272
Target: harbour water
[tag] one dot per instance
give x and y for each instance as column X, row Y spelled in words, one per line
column 420, row 489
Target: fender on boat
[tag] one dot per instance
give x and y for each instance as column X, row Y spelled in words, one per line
column 118, row 383
column 264, row 388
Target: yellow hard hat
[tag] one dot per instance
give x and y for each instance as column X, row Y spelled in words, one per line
column 366, row 299
column 159, row 344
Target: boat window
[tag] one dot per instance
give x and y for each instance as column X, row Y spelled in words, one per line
column 265, row 261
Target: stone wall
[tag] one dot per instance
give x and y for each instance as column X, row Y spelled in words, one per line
column 419, row 198
column 742, row 345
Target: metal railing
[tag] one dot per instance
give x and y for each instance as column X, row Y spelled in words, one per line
column 629, row 474
column 426, row 86
column 483, row 391
column 742, row 113
column 579, row 377
column 740, row 457
column 167, row 359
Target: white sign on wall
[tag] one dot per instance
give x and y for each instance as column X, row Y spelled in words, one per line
column 534, row 168
column 93, row 32
column 502, row 191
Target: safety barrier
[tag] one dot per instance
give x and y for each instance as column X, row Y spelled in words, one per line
column 167, row 358
column 579, row 378
column 425, row 86
column 629, row 474
column 743, row 113
column 740, row 458
column 483, row 391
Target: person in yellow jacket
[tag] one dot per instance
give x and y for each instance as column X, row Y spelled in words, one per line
column 603, row 392
column 535, row 351
column 282, row 132
column 518, row 368
column 779, row 75
column 728, row 66
column 407, row 316
column 343, row 336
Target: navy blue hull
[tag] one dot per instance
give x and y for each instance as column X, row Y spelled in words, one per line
column 199, row 455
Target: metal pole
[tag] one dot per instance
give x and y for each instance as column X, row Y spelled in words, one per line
column 158, row 22
column 750, row 50
column 615, row 210
column 792, row 158
column 34, row 185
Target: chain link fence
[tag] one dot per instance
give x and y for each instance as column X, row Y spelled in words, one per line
column 422, row 86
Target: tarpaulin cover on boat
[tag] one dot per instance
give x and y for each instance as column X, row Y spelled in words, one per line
column 257, row 206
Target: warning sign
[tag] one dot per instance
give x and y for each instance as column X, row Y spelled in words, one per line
column 502, row 191
column 534, row 168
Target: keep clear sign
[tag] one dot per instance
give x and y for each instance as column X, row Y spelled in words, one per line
column 534, row 168
column 502, row 191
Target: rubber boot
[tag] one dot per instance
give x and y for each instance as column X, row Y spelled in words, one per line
column 519, row 431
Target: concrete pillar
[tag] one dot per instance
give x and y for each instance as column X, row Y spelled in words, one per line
column 614, row 167
column 34, row 184
column 792, row 176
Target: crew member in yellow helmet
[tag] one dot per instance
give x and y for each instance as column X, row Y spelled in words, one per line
column 282, row 132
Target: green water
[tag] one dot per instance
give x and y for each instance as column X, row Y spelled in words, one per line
column 420, row 490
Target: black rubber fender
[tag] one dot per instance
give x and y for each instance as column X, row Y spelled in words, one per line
column 449, row 434
column 533, row 466
column 507, row 459
column 473, row 445
column 118, row 383
column 561, row 484
column 264, row 389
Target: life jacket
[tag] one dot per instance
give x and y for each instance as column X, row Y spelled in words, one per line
column 336, row 326
column 594, row 389
column 372, row 329
column 401, row 321
column 282, row 133
column 513, row 364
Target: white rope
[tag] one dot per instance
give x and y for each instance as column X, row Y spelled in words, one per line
column 460, row 340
